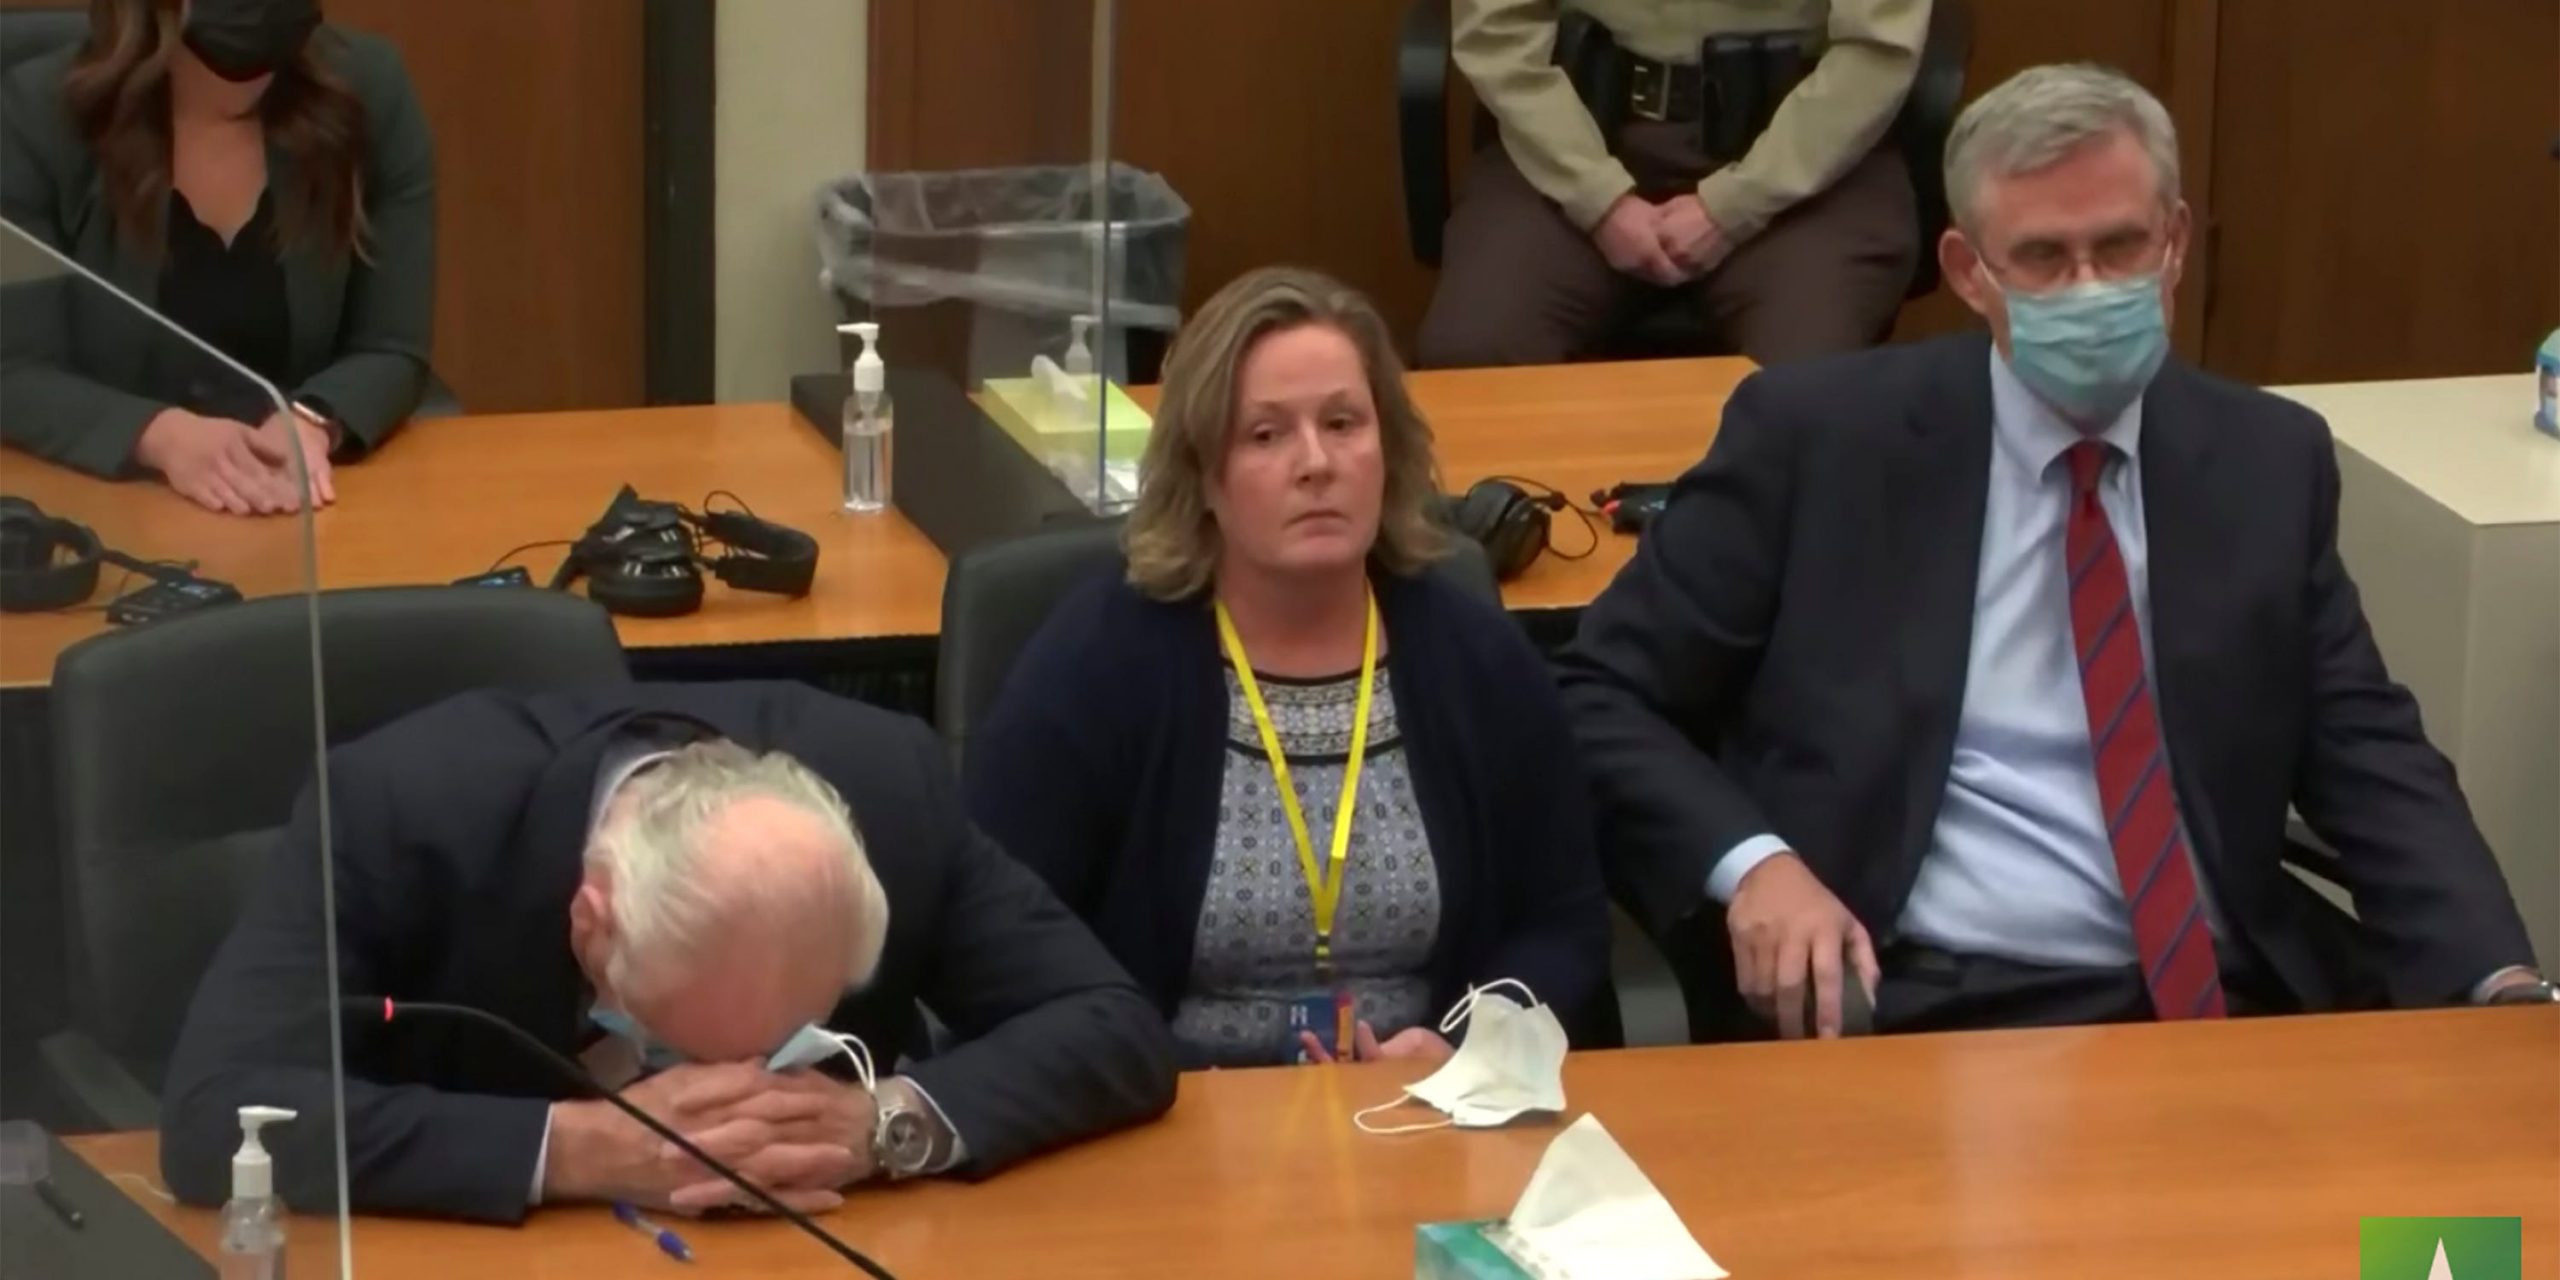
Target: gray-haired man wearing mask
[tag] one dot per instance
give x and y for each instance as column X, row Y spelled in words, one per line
column 703, row 892
column 1983, row 671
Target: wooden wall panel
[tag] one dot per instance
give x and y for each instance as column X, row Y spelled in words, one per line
column 1280, row 130
column 538, row 118
column 963, row 84
column 2375, row 174
column 2389, row 203
column 2010, row 36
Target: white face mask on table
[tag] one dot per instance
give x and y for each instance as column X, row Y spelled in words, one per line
column 1510, row 1064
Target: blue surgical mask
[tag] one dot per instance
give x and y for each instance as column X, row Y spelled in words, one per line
column 813, row 1044
column 807, row 1047
column 653, row 1055
column 2088, row 349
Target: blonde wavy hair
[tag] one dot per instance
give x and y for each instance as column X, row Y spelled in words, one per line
column 1172, row 536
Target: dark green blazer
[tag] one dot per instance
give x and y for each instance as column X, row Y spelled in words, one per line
column 75, row 363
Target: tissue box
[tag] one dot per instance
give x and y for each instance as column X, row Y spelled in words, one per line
column 1022, row 407
column 1463, row 1251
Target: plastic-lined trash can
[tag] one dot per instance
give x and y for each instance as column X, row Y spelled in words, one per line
column 975, row 271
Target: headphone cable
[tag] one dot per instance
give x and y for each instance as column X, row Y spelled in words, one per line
column 1554, row 499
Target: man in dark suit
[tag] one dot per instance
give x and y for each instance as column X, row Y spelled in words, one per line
column 1983, row 672
column 653, row 877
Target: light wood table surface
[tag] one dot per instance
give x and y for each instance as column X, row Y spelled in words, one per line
column 445, row 498
column 2247, row 1148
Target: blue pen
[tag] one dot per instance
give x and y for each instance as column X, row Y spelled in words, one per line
column 669, row 1243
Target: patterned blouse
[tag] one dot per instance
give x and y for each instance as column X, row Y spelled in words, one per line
column 1253, row 956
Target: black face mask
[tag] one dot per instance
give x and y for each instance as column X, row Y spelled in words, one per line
column 242, row 40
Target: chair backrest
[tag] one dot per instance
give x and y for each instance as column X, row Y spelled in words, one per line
column 993, row 602
column 997, row 596
column 33, row 33
column 1928, row 113
column 172, row 740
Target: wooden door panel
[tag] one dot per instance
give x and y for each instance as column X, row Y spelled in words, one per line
column 537, row 110
column 2388, row 200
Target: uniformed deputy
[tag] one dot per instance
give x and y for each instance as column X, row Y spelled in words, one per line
column 1728, row 147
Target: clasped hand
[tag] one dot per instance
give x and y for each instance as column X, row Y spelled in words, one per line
column 1666, row 244
column 800, row 1135
column 223, row 465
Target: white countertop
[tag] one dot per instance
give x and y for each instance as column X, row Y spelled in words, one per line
column 2468, row 443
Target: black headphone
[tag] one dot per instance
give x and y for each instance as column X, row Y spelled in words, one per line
column 1511, row 522
column 646, row 559
column 36, row 576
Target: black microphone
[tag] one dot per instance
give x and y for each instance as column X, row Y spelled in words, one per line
column 389, row 1010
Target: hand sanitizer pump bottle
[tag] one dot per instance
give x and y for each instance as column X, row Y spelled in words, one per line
column 867, row 426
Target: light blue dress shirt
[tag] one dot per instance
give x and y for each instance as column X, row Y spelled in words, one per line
column 2018, row 864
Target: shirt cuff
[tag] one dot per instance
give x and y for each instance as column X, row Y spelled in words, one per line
column 541, row 1162
column 1737, row 862
column 2480, row 990
column 958, row 1151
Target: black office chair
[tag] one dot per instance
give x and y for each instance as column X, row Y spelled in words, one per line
column 994, row 598
column 179, row 749
column 1667, row 326
column 33, row 33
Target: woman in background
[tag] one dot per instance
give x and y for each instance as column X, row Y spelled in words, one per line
column 264, row 182
column 1281, row 768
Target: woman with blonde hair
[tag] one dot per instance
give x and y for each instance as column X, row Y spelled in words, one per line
column 1306, row 790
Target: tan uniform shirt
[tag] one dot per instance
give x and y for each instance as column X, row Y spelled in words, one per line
column 1869, row 50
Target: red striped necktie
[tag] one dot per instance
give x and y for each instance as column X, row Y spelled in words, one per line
column 2159, row 881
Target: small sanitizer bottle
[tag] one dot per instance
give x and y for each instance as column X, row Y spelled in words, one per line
column 867, row 427
column 252, row 1221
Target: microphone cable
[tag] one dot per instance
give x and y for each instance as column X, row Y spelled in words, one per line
column 390, row 1010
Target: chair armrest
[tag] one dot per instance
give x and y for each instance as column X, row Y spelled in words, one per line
column 1928, row 113
column 89, row 1077
column 1422, row 124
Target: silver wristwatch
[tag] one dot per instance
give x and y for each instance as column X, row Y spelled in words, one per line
column 2538, row 992
column 907, row 1140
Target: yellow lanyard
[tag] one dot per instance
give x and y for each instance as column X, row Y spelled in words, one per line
column 1324, row 885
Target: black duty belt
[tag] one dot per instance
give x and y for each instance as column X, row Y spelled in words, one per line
column 1666, row 92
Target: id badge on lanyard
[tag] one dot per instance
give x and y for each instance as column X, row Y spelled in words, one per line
column 1330, row 1015
column 1330, row 1010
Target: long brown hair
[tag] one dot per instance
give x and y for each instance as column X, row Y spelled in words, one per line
column 118, row 96
column 1172, row 536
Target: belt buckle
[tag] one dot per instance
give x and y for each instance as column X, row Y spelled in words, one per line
column 1649, row 94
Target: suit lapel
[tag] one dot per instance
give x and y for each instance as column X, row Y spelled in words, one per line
column 97, row 246
column 1935, row 486
column 313, row 282
column 2184, row 546
column 549, row 998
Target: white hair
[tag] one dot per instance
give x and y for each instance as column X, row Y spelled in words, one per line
column 650, row 846
column 2038, row 116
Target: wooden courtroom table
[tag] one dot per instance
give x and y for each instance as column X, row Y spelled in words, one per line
column 2249, row 1148
column 446, row 497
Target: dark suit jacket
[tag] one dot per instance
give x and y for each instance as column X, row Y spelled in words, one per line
column 1786, row 653
column 457, row 839
column 1099, row 767
column 76, row 363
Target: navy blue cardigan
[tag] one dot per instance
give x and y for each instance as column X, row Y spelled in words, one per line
column 1099, row 768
